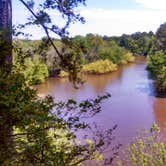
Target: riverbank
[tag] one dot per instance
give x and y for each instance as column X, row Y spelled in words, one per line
column 133, row 105
column 106, row 66
column 102, row 66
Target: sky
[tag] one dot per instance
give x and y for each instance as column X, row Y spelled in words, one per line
column 106, row 17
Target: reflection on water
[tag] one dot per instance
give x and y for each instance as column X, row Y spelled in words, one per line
column 132, row 105
column 159, row 106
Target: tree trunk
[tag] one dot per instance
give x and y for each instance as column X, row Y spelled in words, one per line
column 5, row 64
column 6, row 30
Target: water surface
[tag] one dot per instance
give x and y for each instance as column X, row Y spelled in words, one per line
column 132, row 106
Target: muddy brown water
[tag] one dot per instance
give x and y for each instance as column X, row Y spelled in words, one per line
column 133, row 105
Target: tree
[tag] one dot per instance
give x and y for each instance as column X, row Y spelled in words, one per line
column 94, row 42
column 157, row 66
column 157, row 61
column 161, row 36
column 42, row 134
column 138, row 43
column 5, row 59
column 5, row 29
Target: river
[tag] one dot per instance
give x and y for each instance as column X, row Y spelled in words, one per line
column 133, row 105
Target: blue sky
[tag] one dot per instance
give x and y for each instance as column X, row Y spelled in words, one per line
column 107, row 17
column 113, row 4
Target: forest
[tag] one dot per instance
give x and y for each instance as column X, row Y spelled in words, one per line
column 40, row 131
column 96, row 51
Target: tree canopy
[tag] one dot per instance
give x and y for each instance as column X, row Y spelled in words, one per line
column 161, row 36
column 40, row 131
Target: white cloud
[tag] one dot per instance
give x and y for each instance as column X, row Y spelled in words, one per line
column 118, row 22
column 111, row 22
column 153, row 4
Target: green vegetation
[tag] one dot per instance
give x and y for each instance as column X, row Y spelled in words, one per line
column 43, row 133
column 157, row 61
column 38, row 65
column 63, row 74
column 157, row 67
column 34, row 70
column 146, row 150
column 161, row 37
column 100, row 67
column 38, row 131
column 138, row 43
column 116, row 54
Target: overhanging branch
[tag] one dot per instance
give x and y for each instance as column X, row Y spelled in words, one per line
column 44, row 27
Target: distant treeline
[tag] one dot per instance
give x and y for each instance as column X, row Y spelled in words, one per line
column 139, row 43
column 95, row 53
column 152, row 45
column 92, row 53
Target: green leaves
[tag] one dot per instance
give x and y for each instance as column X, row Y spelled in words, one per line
column 44, row 131
column 157, row 67
column 138, row 43
column 161, row 36
column 146, row 149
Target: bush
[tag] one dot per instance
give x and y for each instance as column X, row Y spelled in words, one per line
column 129, row 57
column 160, row 82
column 156, row 62
column 146, row 150
column 116, row 54
column 34, row 70
column 42, row 131
column 100, row 67
column 63, row 74
column 112, row 52
column 157, row 68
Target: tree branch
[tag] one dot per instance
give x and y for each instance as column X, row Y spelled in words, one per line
column 44, row 27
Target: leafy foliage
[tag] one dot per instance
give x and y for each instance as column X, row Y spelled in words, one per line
column 39, row 131
column 157, row 61
column 147, row 149
column 100, row 67
column 157, row 67
column 41, row 17
column 116, row 54
column 138, row 43
column 78, row 51
column 43, row 133
column 34, row 70
column 161, row 36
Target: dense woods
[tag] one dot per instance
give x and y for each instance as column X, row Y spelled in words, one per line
column 40, row 131
column 94, row 50
column 150, row 45
column 37, row 66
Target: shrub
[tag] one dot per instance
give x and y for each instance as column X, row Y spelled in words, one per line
column 112, row 52
column 146, row 150
column 100, row 67
column 129, row 57
column 157, row 67
column 34, row 70
column 156, row 62
column 116, row 54
column 160, row 82
column 63, row 74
